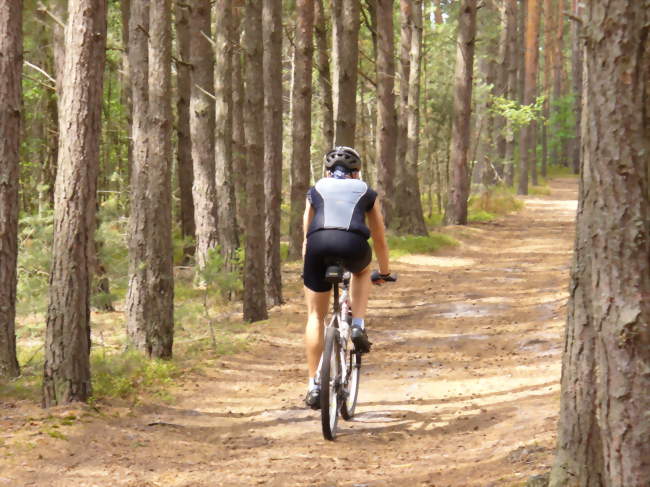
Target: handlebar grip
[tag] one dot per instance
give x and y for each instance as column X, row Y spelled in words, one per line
column 378, row 278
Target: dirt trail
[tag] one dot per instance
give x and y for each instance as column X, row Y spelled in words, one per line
column 461, row 389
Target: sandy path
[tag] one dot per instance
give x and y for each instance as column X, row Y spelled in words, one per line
column 461, row 389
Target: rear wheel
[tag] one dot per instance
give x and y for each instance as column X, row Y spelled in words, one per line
column 330, row 383
column 351, row 385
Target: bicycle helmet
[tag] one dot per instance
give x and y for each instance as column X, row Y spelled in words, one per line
column 343, row 156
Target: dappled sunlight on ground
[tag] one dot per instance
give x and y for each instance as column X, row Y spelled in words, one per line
column 461, row 388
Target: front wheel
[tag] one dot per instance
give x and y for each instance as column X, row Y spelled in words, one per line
column 351, row 385
column 330, row 379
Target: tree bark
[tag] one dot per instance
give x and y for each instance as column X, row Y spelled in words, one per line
column 254, row 292
column 228, row 233
column 185, row 171
column 604, row 428
column 202, row 131
column 386, row 137
column 509, row 162
column 11, row 63
column 67, row 338
column 238, row 137
column 406, row 12
column 456, row 211
column 272, row 21
column 412, row 221
column 324, row 74
column 149, row 300
column 527, row 156
column 345, row 37
column 576, row 69
column 301, row 122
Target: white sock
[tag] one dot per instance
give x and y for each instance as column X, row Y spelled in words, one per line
column 312, row 383
column 358, row 322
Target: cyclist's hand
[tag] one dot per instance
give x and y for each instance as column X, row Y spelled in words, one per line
column 379, row 279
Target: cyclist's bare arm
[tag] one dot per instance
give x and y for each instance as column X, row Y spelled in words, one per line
column 307, row 217
column 378, row 234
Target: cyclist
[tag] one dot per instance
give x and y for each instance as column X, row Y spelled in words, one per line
column 334, row 225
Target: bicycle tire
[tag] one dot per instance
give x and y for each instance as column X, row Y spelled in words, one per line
column 351, row 387
column 330, row 380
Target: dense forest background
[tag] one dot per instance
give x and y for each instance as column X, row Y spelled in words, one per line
column 398, row 80
column 156, row 155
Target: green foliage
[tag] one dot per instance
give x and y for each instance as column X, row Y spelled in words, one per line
column 34, row 256
column 413, row 244
column 492, row 202
column 129, row 374
column 561, row 122
column 219, row 277
column 519, row 115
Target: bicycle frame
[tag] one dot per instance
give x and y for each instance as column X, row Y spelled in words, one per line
column 340, row 309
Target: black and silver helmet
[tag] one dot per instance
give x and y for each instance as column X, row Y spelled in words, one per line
column 343, row 156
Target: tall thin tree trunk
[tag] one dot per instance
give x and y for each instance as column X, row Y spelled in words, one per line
column 240, row 168
column 527, row 156
column 509, row 163
column 11, row 65
column 345, row 37
column 184, row 167
column 386, row 137
column 604, row 428
column 161, row 314
column 149, row 300
column 301, row 122
column 412, row 222
column 456, row 211
column 272, row 21
column 67, row 338
column 202, row 130
column 324, row 75
column 228, row 233
column 254, row 282
column 406, row 9
column 576, row 69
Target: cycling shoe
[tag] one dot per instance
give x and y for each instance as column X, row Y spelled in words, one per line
column 360, row 339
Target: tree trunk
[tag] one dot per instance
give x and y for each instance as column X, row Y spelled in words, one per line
column 202, row 112
column 456, row 211
column 412, row 222
column 228, row 233
column 324, row 76
column 149, row 300
column 254, row 293
column 437, row 12
column 509, row 162
column 185, row 171
column 386, row 137
column 547, row 90
column 345, row 37
column 67, row 338
column 272, row 22
column 406, row 12
column 527, row 156
column 11, row 63
column 240, row 168
column 576, row 69
column 604, row 428
column 301, row 122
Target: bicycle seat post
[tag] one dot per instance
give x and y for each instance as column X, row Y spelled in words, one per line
column 334, row 275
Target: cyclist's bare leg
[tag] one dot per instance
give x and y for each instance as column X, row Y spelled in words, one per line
column 317, row 306
column 359, row 292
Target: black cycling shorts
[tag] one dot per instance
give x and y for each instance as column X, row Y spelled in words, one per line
column 324, row 247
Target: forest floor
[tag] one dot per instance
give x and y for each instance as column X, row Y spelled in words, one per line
column 461, row 388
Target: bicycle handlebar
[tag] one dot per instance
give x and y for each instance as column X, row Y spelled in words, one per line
column 379, row 279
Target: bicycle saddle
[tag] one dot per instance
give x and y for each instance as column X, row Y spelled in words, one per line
column 334, row 273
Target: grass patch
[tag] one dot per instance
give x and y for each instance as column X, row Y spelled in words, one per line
column 129, row 374
column 412, row 244
column 481, row 216
column 539, row 191
column 492, row 203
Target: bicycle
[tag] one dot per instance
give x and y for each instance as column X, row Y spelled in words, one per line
column 340, row 365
